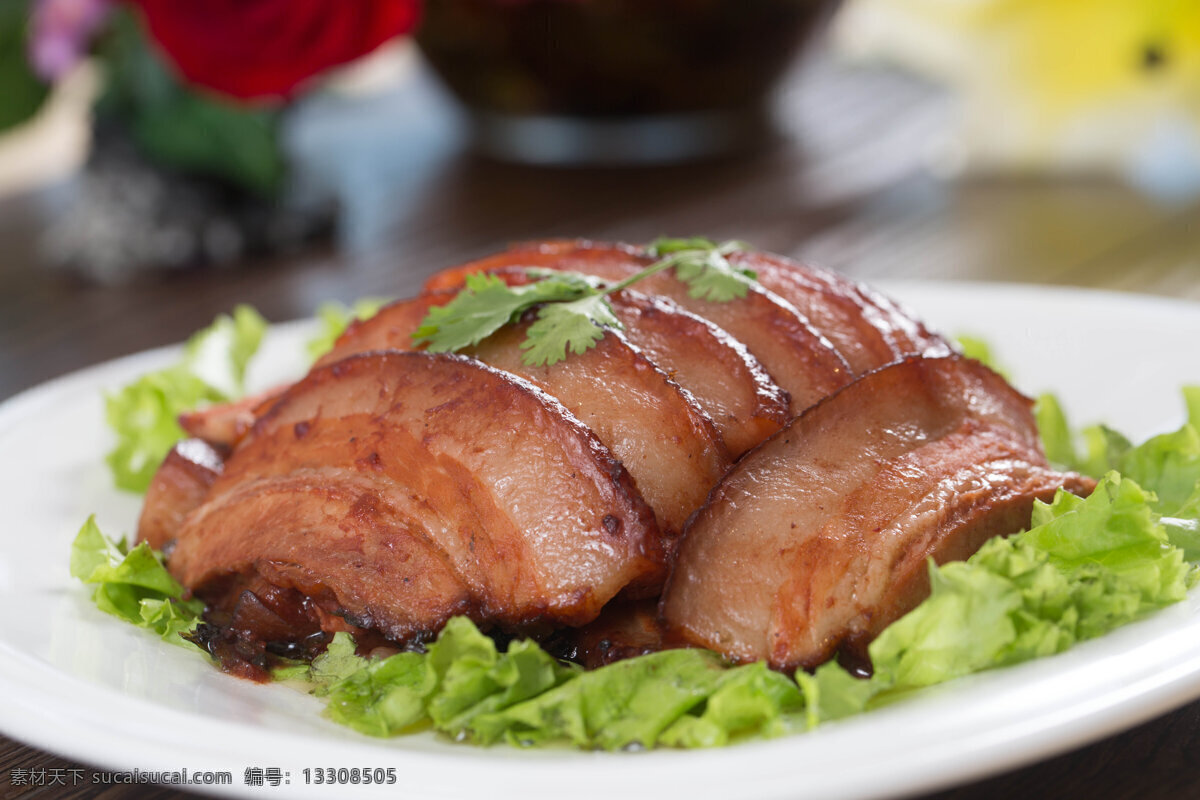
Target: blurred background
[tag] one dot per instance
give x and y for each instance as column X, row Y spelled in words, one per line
column 161, row 161
column 285, row 153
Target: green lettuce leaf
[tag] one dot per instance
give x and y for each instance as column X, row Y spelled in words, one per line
column 144, row 414
column 463, row 686
column 1167, row 465
column 383, row 698
column 752, row 700
column 461, row 677
column 334, row 318
column 980, row 350
column 623, row 705
column 133, row 584
column 1085, row 568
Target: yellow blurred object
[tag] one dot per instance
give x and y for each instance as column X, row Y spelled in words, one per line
column 1054, row 85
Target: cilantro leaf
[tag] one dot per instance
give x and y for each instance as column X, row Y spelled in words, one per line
column 488, row 303
column 575, row 310
column 709, row 273
column 483, row 307
column 576, row 325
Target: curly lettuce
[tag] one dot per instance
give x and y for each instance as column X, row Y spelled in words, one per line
column 334, row 318
column 144, row 414
column 133, row 585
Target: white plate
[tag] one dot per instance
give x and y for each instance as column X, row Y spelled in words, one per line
column 82, row 684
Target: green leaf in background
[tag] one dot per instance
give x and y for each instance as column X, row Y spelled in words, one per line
column 980, row 350
column 207, row 135
column 144, row 414
column 22, row 93
column 334, row 318
column 185, row 128
column 133, row 584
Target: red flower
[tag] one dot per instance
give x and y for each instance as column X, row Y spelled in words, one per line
column 259, row 49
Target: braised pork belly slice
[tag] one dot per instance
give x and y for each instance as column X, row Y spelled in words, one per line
column 388, row 472
column 819, row 538
column 338, row 537
column 798, row 358
column 669, row 445
column 866, row 327
column 673, row 450
column 179, row 486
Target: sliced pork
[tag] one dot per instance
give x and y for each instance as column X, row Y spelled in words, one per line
column 400, row 488
column 673, row 450
column 798, row 358
column 819, row 538
column 868, row 329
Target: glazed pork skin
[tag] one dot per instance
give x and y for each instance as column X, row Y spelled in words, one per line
column 798, row 358
column 819, row 538
column 401, row 488
column 868, row 329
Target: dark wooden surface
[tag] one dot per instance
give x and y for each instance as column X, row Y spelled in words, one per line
column 844, row 186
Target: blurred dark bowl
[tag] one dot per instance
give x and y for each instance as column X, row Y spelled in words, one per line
column 615, row 81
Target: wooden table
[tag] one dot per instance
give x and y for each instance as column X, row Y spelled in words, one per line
column 844, row 187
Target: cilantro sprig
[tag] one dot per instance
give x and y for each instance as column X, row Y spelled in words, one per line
column 575, row 309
